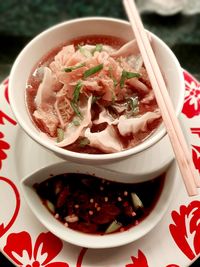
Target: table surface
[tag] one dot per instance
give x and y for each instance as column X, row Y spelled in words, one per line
column 21, row 20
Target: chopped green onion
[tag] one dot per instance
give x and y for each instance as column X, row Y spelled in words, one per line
column 84, row 51
column 114, row 226
column 128, row 75
column 76, row 123
column 98, row 48
column 115, row 82
column 137, row 203
column 136, row 111
column 76, row 109
column 84, row 142
column 134, row 104
column 76, row 98
column 60, row 135
column 92, row 71
column 77, row 92
column 112, row 77
column 50, row 206
column 39, row 73
column 70, row 69
column 95, row 99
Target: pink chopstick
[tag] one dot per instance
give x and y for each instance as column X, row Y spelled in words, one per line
column 181, row 151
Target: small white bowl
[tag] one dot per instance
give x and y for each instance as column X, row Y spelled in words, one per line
column 60, row 33
column 89, row 240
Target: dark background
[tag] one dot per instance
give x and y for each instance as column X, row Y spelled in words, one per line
column 21, row 20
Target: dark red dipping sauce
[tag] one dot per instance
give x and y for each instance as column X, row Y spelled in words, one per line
column 97, row 206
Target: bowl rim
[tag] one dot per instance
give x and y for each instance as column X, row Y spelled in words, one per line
column 98, row 241
column 82, row 156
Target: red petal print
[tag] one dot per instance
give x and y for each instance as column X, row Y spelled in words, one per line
column 6, row 117
column 18, row 243
column 188, row 77
column 80, row 257
column 196, row 156
column 3, row 146
column 195, row 131
column 140, row 261
column 189, row 110
column 191, row 106
column 172, row 265
column 51, row 245
column 4, row 228
column 186, row 229
column 5, row 81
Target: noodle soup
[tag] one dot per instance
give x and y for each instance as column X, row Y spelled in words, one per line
column 93, row 95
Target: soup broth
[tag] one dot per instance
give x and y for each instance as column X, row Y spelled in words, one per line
column 93, row 95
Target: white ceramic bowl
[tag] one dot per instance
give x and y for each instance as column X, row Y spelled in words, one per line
column 60, row 33
column 89, row 240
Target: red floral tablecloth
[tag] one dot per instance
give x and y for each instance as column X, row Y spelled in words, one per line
column 42, row 248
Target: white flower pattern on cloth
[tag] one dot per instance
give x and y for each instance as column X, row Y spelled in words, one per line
column 193, row 95
column 191, row 106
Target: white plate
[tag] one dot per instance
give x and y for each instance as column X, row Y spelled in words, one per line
column 174, row 242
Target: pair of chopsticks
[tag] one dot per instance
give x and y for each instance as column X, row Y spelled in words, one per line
column 183, row 156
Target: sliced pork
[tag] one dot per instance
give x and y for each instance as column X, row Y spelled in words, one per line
column 44, row 100
column 46, row 96
column 126, row 50
column 61, row 59
column 104, row 116
column 47, row 120
column 63, row 110
column 105, row 140
column 134, row 125
column 74, row 129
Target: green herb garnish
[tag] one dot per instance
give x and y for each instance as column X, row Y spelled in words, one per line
column 133, row 103
column 115, row 82
column 76, row 123
column 76, row 98
column 112, row 77
column 84, row 51
column 60, row 135
column 76, row 109
column 77, row 90
column 95, row 99
column 92, row 71
column 70, row 69
column 98, row 48
column 128, row 75
column 84, row 142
